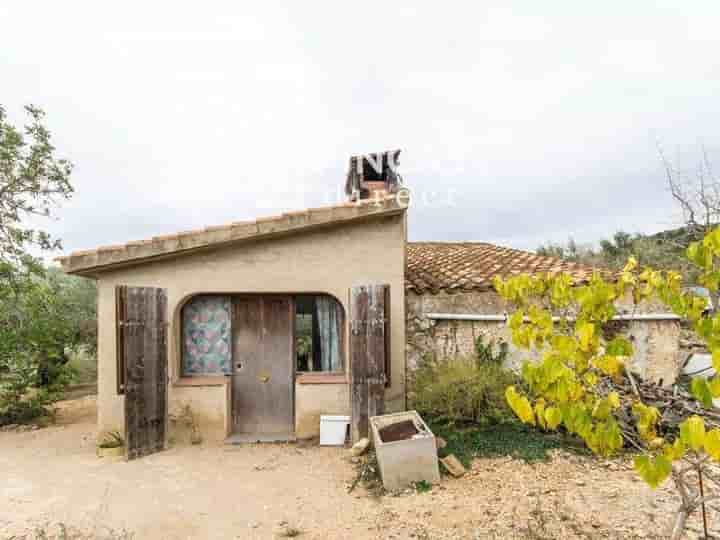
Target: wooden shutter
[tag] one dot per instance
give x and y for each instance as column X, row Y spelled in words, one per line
column 143, row 339
column 388, row 367
column 120, row 318
column 367, row 355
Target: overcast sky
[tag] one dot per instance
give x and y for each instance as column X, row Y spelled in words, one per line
column 519, row 122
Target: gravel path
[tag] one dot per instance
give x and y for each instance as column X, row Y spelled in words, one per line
column 52, row 476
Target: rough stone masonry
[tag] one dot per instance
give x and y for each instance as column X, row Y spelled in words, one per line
column 659, row 349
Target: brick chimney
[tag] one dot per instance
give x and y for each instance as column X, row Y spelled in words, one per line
column 373, row 175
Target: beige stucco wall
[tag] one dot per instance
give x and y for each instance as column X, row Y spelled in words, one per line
column 658, row 354
column 314, row 400
column 209, row 406
column 329, row 260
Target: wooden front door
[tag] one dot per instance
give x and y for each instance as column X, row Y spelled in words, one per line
column 262, row 388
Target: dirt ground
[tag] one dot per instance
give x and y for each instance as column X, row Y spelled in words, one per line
column 52, row 476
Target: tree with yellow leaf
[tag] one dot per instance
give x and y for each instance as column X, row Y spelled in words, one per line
column 561, row 324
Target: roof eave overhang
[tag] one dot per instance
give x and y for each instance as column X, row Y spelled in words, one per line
column 96, row 262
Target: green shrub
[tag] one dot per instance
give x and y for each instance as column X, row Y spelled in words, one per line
column 21, row 400
column 461, row 391
column 507, row 439
column 485, row 352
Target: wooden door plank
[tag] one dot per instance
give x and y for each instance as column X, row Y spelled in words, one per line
column 278, row 355
column 367, row 356
column 376, row 351
column 247, row 352
column 145, row 358
column 162, row 373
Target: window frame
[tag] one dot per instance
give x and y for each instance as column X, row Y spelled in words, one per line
column 341, row 346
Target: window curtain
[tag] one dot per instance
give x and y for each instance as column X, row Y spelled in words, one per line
column 207, row 336
column 329, row 319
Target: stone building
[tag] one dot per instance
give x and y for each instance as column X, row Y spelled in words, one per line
column 450, row 302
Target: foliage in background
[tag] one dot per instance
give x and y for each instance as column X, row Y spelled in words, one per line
column 44, row 321
column 696, row 192
column 463, row 390
column 83, row 367
column 664, row 251
column 562, row 388
column 46, row 317
column 32, row 181
column 40, row 311
column 21, row 399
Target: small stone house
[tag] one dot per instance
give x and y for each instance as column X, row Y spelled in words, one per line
column 261, row 327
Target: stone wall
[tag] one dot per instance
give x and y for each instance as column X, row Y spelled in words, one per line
column 657, row 342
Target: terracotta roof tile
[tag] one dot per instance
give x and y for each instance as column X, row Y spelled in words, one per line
column 462, row 266
column 89, row 262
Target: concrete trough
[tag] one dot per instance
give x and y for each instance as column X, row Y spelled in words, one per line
column 407, row 461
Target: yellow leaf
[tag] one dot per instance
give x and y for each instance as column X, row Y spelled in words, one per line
column 716, row 360
column 674, row 451
column 602, row 409
column 520, row 405
column 553, row 417
column 712, row 444
column 653, row 470
column 692, row 432
column 714, row 385
column 647, row 418
column 590, row 379
column 586, row 332
column 610, row 365
column 614, row 399
column 605, row 439
column 656, row 443
column 700, row 389
column 516, row 319
column 540, row 413
column 630, row 265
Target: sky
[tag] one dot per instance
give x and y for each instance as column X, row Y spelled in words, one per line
column 520, row 123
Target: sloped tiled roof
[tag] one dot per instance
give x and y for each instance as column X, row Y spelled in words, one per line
column 471, row 266
column 91, row 262
column 430, row 266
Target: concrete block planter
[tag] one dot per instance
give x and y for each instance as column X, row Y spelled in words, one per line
column 412, row 459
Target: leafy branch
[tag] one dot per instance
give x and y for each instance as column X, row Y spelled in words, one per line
column 32, row 182
column 564, row 388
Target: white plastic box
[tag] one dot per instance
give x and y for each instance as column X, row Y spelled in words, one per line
column 333, row 430
column 404, row 462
